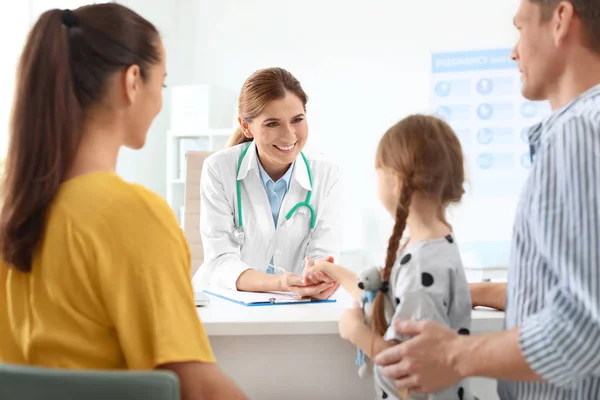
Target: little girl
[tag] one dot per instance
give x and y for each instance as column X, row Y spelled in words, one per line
column 420, row 169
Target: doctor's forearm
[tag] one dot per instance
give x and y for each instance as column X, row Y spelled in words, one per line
column 254, row 281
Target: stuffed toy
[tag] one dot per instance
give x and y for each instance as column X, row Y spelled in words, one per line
column 369, row 280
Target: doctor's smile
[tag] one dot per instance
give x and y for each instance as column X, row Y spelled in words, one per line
column 286, row 149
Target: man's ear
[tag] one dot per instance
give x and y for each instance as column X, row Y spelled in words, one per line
column 562, row 21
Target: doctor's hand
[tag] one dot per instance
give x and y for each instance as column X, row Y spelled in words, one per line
column 290, row 282
column 327, row 293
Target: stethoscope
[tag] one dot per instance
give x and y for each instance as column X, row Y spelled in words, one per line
column 305, row 203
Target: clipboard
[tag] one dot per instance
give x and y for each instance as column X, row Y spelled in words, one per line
column 261, row 299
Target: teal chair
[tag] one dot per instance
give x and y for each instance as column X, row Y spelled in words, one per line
column 33, row 383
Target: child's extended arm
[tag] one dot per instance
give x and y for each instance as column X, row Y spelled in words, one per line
column 345, row 277
column 369, row 341
column 353, row 329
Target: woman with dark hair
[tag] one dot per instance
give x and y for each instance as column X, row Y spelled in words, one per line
column 96, row 272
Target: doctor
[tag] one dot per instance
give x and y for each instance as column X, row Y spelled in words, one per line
column 265, row 205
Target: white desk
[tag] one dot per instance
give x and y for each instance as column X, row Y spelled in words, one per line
column 294, row 352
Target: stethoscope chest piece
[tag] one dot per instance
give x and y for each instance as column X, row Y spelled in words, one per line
column 240, row 236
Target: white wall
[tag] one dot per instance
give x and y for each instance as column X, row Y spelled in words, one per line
column 13, row 30
column 148, row 165
column 176, row 21
column 363, row 64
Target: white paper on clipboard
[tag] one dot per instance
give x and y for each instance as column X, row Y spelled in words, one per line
column 256, row 297
column 261, row 298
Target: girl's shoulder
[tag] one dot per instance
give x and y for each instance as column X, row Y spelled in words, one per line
column 427, row 265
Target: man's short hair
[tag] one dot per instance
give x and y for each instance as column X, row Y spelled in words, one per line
column 587, row 10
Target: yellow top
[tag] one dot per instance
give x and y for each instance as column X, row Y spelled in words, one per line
column 110, row 287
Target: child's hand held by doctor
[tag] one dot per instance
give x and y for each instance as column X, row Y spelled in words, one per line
column 326, row 269
column 315, row 271
column 313, row 276
column 290, row 282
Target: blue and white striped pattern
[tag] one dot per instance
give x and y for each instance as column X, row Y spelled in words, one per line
column 553, row 290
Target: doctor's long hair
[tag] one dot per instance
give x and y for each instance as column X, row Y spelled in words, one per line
column 262, row 87
column 67, row 61
column 425, row 155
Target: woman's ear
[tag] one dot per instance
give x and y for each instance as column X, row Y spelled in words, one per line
column 245, row 128
column 131, row 82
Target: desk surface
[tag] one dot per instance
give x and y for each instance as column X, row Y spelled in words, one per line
column 225, row 318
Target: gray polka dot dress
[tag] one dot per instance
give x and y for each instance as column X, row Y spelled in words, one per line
column 428, row 282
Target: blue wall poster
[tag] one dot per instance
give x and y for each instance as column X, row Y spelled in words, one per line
column 479, row 94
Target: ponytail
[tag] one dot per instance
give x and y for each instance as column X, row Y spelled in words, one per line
column 379, row 322
column 238, row 137
column 44, row 135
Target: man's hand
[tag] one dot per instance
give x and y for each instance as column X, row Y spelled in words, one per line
column 424, row 363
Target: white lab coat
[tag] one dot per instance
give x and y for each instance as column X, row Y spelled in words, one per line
column 228, row 252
